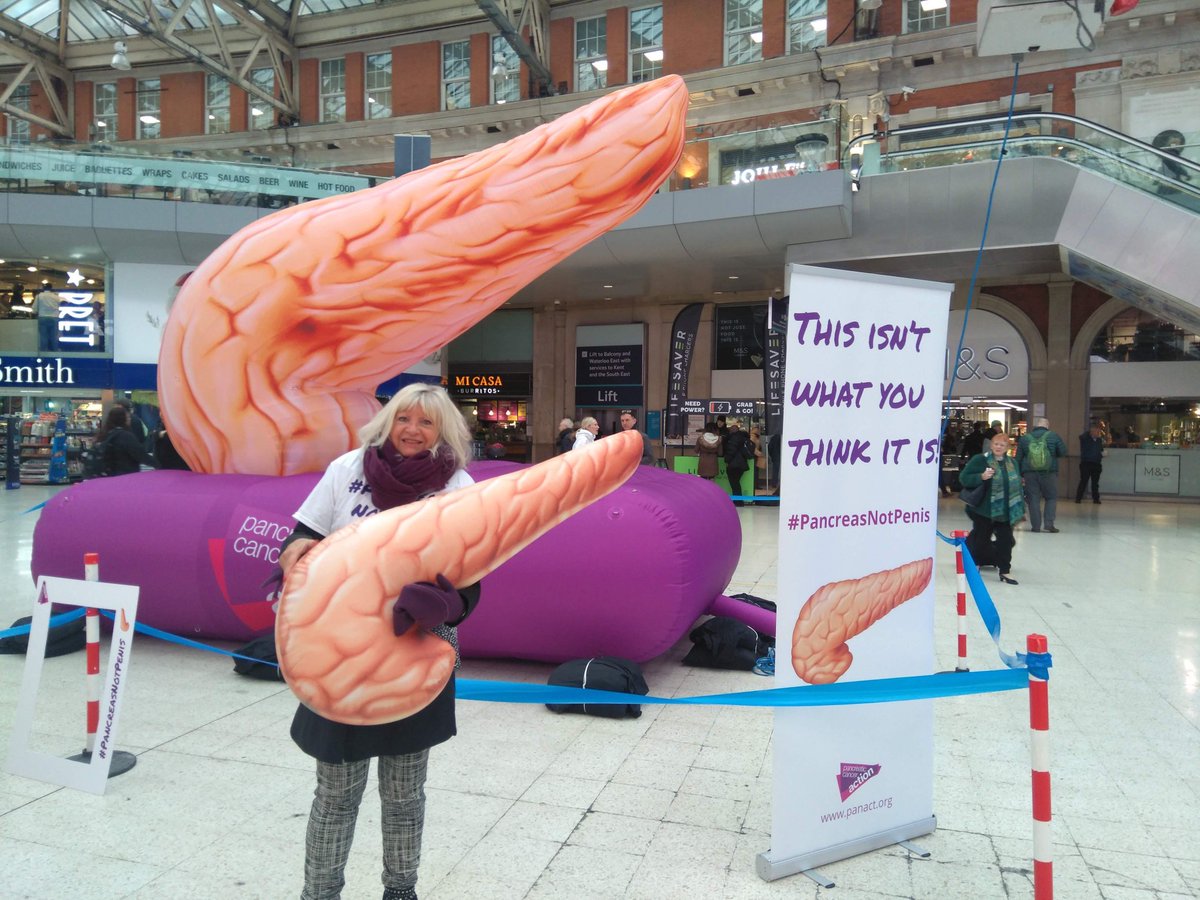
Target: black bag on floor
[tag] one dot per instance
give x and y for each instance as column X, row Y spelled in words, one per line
column 754, row 601
column 60, row 639
column 725, row 643
column 600, row 673
column 260, row 648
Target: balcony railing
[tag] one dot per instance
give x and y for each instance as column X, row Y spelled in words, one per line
column 1173, row 178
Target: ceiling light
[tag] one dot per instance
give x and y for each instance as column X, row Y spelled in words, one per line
column 148, row 119
column 211, row 116
column 734, row 277
column 756, row 37
column 818, row 24
column 91, row 281
column 600, row 65
column 870, row 4
column 932, row 5
column 120, row 60
column 255, row 111
column 608, row 286
column 100, row 123
column 32, row 269
column 654, row 55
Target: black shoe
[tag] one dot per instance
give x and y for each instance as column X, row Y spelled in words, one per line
column 1036, row 530
column 1052, row 529
column 1097, row 502
column 400, row 894
column 1080, row 500
column 1008, row 580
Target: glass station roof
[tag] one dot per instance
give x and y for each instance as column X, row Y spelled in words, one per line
column 88, row 21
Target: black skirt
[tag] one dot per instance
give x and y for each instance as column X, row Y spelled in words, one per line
column 334, row 742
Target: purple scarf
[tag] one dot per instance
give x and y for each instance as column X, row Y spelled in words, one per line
column 396, row 480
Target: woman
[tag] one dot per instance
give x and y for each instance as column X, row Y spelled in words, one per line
column 738, row 454
column 588, row 429
column 566, row 437
column 1002, row 506
column 708, row 448
column 123, row 453
column 416, row 446
column 759, row 472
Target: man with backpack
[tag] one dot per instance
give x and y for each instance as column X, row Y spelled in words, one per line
column 1038, row 452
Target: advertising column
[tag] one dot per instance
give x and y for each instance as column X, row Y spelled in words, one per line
column 856, row 546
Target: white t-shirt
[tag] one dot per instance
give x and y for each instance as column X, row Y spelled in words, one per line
column 343, row 495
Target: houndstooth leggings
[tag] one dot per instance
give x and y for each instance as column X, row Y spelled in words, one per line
column 335, row 809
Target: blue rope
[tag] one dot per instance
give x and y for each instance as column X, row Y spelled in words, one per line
column 61, row 619
column 987, row 219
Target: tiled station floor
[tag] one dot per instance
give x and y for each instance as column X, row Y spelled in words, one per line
column 528, row 804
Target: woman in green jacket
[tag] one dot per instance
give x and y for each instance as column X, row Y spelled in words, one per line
column 1002, row 506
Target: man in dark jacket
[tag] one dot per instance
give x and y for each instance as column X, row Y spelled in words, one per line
column 1037, row 455
column 1091, row 452
column 629, row 423
column 739, row 454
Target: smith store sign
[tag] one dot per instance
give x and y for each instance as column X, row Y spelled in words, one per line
column 482, row 384
column 54, row 371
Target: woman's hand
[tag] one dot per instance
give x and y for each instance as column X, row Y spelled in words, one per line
column 985, row 476
column 293, row 553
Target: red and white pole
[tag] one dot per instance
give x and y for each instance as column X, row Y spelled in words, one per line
column 962, row 604
column 91, row 572
column 1039, row 724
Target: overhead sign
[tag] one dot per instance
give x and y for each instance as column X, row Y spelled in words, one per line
column 732, row 407
column 993, row 361
column 593, row 397
column 86, row 169
column 608, row 365
column 490, row 384
column 55, row 371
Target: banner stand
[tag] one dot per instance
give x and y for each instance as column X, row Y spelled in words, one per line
column 769, row 869
column 863, row 360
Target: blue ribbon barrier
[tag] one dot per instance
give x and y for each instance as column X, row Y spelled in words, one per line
column 991, row 618
column 885, row 690
column 61, row 619
column 35, row 508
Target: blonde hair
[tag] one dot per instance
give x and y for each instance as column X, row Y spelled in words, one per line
column 565, row 424
column 588, row 422
column 437, row 405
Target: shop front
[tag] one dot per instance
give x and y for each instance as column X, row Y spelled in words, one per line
column 495, row 404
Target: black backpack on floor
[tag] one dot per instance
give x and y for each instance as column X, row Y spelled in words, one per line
column 600, row 673
column 725, row 643
column 60, row 639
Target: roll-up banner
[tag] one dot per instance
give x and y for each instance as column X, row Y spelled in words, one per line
column 683, row 343
column 773, row 366
column 856, row 547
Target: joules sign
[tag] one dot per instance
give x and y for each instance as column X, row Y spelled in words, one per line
column 76, row 319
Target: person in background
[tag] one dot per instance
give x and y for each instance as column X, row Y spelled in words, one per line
column 1091, row 455
column 996, row 427
column 588, row 429
column 739, row 454
column 566, row 436
column 1003, row 505
column 165, row 454
column 972, row 444
column 124, row 454
column 136, row 425
column 629, row 423
column 46, row 308
column 415, row 447
column 1132, row 438
column 708, row 448
column 1038, row 453
column 758, row 468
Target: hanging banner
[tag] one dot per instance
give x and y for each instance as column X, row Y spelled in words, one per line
column 773, row 369
column 683, row 343
column 856, row 546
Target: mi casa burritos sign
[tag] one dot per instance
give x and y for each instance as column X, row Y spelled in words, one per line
column 490, row 384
